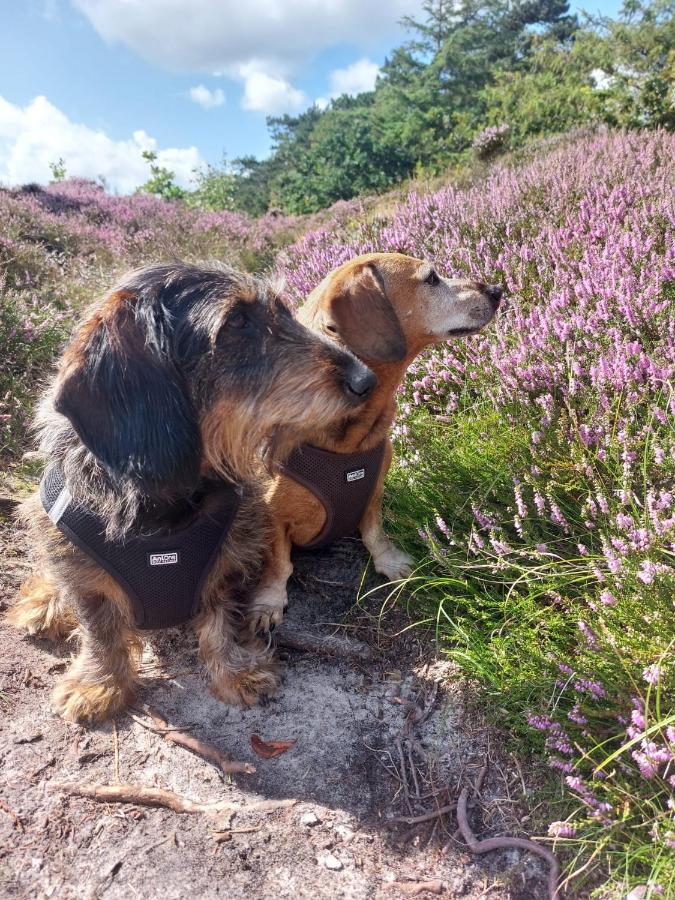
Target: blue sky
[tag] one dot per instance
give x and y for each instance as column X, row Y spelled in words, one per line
column 97, row 81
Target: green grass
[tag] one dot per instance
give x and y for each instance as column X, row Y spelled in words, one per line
column 509, row 619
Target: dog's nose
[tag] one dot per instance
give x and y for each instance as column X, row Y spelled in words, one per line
column 360, row 381
column 495, row 293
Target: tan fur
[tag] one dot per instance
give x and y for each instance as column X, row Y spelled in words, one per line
column 243, row 427
column 297, row 515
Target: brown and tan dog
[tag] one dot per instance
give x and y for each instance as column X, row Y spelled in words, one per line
column 386, row 308
column 152, row 433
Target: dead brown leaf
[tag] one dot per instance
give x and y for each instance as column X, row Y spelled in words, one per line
column 270, row 749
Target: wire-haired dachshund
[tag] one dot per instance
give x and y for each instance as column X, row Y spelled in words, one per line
column 386, row 308
column 172, row 391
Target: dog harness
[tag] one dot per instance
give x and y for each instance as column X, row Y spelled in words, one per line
column 343, row 482
column 163, row 575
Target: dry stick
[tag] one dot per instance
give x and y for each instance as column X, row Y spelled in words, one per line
column 417, row 887
column 412, row 770
column 325, row 645
column 159, row 797
column 116, row 747
column 10, row 812
column 201, row 748
column 404, row 774
column 506, row 843
column 424, row 817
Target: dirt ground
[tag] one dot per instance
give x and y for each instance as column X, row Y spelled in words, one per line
column 342, row 781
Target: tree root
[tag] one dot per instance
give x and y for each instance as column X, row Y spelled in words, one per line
column 506, row 843
column 159, row 797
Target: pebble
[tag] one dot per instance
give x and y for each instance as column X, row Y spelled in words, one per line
column 345, row 832
column 309, row 819
column 332, row 862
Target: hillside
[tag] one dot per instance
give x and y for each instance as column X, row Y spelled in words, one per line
column 535, row 467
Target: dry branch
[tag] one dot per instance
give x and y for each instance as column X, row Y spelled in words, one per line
column 424, row 817
column 506, row 843
column 159, row 797
column 325, row 645
column 201, row 748
column 417, row 887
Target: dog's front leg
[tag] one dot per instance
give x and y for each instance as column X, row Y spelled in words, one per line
column 270, row 599
column 241, row 668
column 387, row 558
column 101, row 681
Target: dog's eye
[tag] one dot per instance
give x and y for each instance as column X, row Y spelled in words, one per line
column 238, row 321
column 432, row 279
column 332, row 328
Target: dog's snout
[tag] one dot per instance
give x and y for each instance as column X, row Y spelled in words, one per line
column 495, row 292
column 360, row 381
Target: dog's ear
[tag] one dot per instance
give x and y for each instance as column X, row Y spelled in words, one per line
column 126, row 399
column 364, row 319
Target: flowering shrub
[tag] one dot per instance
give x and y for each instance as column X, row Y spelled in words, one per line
column 490, row 140
column 537, row 461
column 61, row 246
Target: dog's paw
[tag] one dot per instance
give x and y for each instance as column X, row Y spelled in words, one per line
column 393, row 563
column 79, row 701
column 267, row 609
column 247, row 688
column 40, row 612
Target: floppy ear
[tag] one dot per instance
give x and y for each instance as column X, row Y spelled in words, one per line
column 365, row 319
column 125, row 398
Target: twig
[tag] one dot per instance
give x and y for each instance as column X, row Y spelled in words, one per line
column 142, row 796
column 325, row 645
column 481, row 778
column 116, row 749
column 10, row 812
column 412, row 770
column 424, row 817
column 201, row 748
column 404, row 775
column 159, row 797
column 428, row 706
column 506, row 843
column 417, row 887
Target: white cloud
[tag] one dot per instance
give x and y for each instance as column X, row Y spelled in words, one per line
column 269, row 39
column 360, row 76
column 206, row 98
column 38, row 134
column 268, row 93
column 210, row 35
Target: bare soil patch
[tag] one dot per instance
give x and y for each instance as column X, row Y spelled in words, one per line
column 368, row 731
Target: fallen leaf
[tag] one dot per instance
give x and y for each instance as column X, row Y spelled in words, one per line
column 270, row 749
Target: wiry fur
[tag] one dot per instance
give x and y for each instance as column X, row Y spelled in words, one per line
column 176, row 380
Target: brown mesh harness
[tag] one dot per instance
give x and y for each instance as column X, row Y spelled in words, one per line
column 343, row 482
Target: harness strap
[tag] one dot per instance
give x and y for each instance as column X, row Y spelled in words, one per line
column 343, row 482
column 162, row 574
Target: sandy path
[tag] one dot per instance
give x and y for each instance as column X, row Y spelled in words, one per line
column 334, row 841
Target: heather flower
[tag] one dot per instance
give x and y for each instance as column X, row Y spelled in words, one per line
column 562, row 830
column 652, row 673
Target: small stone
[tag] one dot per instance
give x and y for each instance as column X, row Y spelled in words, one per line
column 310, row 819
column 332, row 862
column 345, row 832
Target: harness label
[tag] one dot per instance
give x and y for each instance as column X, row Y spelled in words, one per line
column 356, row 475
column 163, row 559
